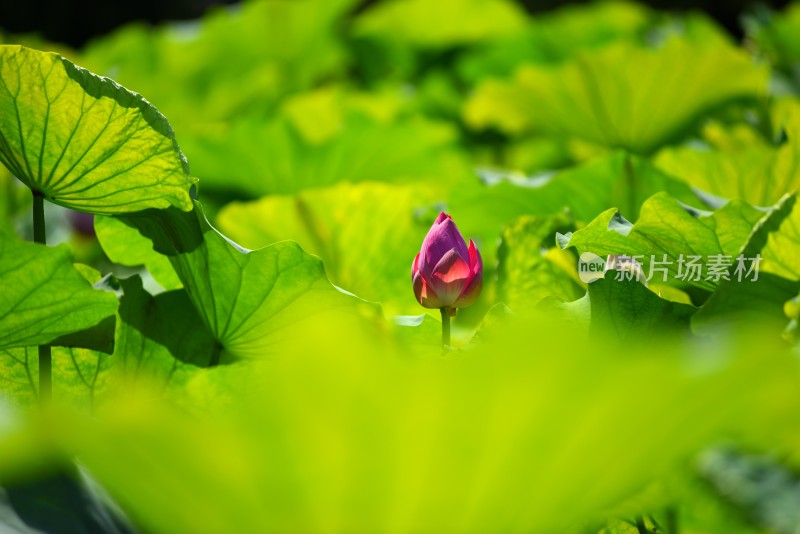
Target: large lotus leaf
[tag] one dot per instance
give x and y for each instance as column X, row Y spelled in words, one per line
column 366, row 234
column 776, row 241
column 584, row 191
column 668, row 235
column 737, row 165
column 254, row 302
column 393, row 445
column 234, row 158
column 744, row 305
column 159, row 342
column 759, row 300
column 83, row 141
column 79, row 375
column 623, row 96
column 556, row 36
column 43, row 297
column 235, row 62
column 19, row 380
column 160, row 336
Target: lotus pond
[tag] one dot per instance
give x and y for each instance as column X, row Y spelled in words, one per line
column 419, row 267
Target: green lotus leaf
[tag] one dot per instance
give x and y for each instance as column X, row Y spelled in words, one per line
column 359, row 149
column 318, row 431
column 558, row 35
column 530, row 268
column 160, row 342
column 739, row 165
column 622, row 96
column 759, row 301
column 252, row 301
column 627, row 310
column 83, row 141
column 585, row 190
column 349, row 226
column 671, row 233
column 126, row 246
column 235, row 63
column 44, row 297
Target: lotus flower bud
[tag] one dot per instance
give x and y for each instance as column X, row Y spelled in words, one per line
column 447, row 273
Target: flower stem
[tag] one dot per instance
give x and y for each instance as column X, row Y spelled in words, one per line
column 45, row 356
column 445, row 327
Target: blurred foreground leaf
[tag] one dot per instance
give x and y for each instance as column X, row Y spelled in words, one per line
column 352, row 437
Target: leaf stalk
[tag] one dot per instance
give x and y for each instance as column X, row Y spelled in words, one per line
column 446, row 314
column 45, row 352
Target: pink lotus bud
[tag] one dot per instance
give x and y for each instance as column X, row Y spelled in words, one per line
column 447, row 273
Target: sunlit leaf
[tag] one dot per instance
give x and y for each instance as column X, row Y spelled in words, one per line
column 236, row 62
column 670, row 233
column 159, row 342
column 778, row 241
column 125, row 246
column 584, row 191
column 366, row 234
column 253, row 301
column 623, row 96
column 83, row 141
column 19, row 379
column 751, row 171
column 234, row 158
column 758, row 300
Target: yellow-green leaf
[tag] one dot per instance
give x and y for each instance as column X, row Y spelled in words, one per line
column 83, row 141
